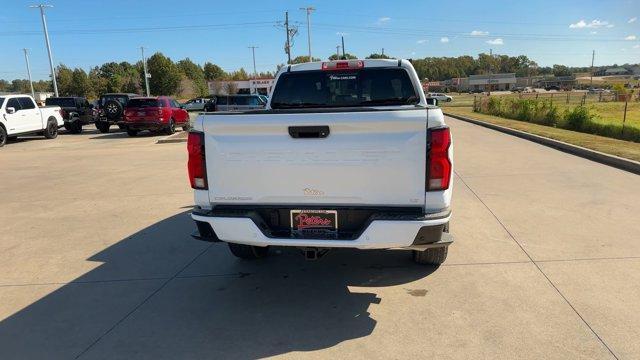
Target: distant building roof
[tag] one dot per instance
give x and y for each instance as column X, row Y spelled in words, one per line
column 492, row 76
column 616, row 70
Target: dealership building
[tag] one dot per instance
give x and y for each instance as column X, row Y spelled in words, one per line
column 254, row 86
column 492, row 82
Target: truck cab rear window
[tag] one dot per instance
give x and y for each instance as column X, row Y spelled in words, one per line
column 348, row 88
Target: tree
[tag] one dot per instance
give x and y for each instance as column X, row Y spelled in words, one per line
column 4, row 85
column 378, row 56
column 347, row 56
column 80, row 84
column 64, row 76
column 561, row 70
column 302, row 59
column 165, row 75
column 213, row 72
column 195, row 74
column 238, row 75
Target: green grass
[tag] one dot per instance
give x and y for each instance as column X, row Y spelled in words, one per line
column 625, row 149
column 607, row 112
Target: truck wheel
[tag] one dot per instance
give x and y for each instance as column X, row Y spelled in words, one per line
column 186, row 127
column 73, row 127
column 122, row 127
column 171, row 128
column 3, row 136
column 435, row 256
column 103, row 127
column 113, row 109
column 132, row 132
column 51, row 132
column 248, row 252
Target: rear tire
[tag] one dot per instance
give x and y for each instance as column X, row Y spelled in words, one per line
column 131, row 132
column 186, row 127
column 171, row 128
column 51, row 132
column 248, row 252
column 3, row 136
column 73, row 127
column 435, row 256
column 103, row 127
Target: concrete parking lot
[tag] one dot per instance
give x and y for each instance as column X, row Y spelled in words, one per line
column 96, row 262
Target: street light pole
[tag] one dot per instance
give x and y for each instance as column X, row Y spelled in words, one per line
column 46, row 38
column 26, row 59
column 146, row 74
column 593, row 56
column 309, row 9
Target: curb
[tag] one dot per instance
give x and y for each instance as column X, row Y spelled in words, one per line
column 178, row 137
column 611, row 160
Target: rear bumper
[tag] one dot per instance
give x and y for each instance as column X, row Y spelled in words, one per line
column 145, row 125
column 419, row 234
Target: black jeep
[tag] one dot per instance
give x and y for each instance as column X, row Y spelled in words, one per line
column 76, row 112
column 111, row 110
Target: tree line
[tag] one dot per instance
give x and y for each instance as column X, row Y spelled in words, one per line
column 185, row 78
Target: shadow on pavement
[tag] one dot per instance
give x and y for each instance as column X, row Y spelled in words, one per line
column 217, row 307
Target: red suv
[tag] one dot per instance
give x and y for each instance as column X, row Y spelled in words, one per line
column 160, row 113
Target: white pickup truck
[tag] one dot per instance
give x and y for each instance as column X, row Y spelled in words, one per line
column 347, row 154
column 19, row 115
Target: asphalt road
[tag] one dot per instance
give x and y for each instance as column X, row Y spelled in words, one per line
column 96, row 262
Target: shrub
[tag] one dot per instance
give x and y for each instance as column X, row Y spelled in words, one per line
column 579, row 118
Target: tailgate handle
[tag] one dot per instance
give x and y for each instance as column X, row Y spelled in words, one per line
column 309, row 132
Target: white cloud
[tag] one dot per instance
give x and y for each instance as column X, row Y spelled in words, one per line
column 636, row 46
column 632, row 20
column 497, row 41
column 595, row 24
column 593, row 32
column 631, row 37
column 444, row 39
column 422, row 41
column 479, row 33
column 384, row 19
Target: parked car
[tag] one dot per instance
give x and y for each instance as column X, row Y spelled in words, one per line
column 76, row 112
column 235, row 103
column 19, row 115
column 111, row 110
column 476, row 91
column 347, row 154
column 160, row 113
column 439, row 96
column 195, row 104
column 552, row 87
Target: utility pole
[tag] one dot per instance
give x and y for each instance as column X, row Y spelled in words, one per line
column 490, row 69
column 26, row 59
column 288, row 45
column 338, row 51
column 344, row 57
column 593, row 56
column 146, row 74
column 253, row 51
column 309, row 9
column 382, row 51
column 46, row 38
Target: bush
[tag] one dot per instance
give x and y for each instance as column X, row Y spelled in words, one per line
column 579, row 118
column 530, row 110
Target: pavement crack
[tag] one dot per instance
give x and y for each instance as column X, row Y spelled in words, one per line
column 127, row 315
column 584, row 321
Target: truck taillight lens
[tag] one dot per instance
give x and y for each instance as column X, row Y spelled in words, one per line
column 438, row 162
column 197, row 165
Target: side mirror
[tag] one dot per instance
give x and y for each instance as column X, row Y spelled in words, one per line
column 11, row 110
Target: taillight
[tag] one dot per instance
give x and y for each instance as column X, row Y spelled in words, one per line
column 342, row 65
column 197, row 165
column 438, row 162
column 160, row 112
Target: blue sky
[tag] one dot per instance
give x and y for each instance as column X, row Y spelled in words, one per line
column 91, row 32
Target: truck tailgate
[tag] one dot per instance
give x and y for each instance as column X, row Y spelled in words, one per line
column 368, row 158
